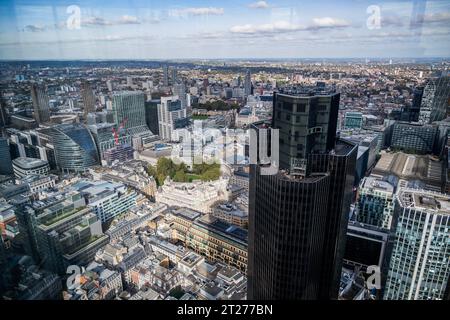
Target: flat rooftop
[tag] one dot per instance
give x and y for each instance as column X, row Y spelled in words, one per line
column 425, row 200
column 29, row 163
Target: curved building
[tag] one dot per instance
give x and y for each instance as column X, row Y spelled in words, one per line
column 24, row 167
column 75, row 148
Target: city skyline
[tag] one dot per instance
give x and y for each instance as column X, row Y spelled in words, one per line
column 36, row 30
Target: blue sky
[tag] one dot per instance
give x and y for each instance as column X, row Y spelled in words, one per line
column 138, row 29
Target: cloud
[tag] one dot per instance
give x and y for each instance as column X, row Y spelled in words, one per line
column 285, row 26
column 197, row 11
column 128, row 20
column 258, row 5
column 280, row 26
column 327, row 22
column 95, row 21
column 33, row 28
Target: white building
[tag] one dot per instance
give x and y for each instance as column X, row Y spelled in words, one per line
column 197, row 195
column 171, row 115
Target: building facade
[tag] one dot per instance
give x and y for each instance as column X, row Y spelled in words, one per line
column 291, row 212
column 419, row 266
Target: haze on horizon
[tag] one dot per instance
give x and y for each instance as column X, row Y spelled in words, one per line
column 199, row 29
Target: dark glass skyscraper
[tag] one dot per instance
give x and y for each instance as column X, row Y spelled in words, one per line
column 40, row 103
column 298, row 217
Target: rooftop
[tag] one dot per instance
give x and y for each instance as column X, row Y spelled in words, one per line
column 29, row 163
column 429, row 201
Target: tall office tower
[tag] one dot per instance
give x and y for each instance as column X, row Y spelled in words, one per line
column 74, row 146
column 88, row 98
column 375, row 203
column 419, row 267
column 435, row 99
column 5, row 156
column 65, row 231
column 171, row 116
column 179, row 89
column 165, row 75
column 40, row 103
column 174, row 76
column 3, row 113
column 298, row 217
column 248, row 84
column 414, row 110
column 129, row 109
column 151, row 115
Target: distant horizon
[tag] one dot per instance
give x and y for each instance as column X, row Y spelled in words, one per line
column 203, row 30
column 228, row 59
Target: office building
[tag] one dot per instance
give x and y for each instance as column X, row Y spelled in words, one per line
column 88, row 98
column 197, row 195
column 171, row 116
column 24, row 167
column 375, row 203
column 353, row 120
column 248, row 84
column 41, row 106
column 413, row 137
column 179, row 90
column 107, row 199
column 6, row 163
column 366, row 246
column 129, row 109
column 174, row 75
column 419, row 267
column 62, row 232
column 165, row 81
column 211, row 237
column 151, row 115
column 435, row 99
column 298, row 217
column 74, row 146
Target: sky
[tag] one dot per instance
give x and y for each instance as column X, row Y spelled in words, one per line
column 200, row 29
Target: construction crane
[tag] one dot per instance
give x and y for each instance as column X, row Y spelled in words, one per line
column 117, row 132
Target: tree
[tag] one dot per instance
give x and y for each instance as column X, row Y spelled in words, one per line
column 180, row 176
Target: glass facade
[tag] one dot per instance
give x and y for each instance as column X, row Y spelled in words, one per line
column 419, row 267
column 75, row 148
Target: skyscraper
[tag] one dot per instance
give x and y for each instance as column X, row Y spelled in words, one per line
column 165, row 75
column 40, row 103
column 419, row 266
column 248, row 84
column 5, row 156
column 171, row 116
column 435, row 99
column 174, row 76
column 88, row 98
column 75, row 148
column 179, row 89
column 298, row 217
column 128, row 109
